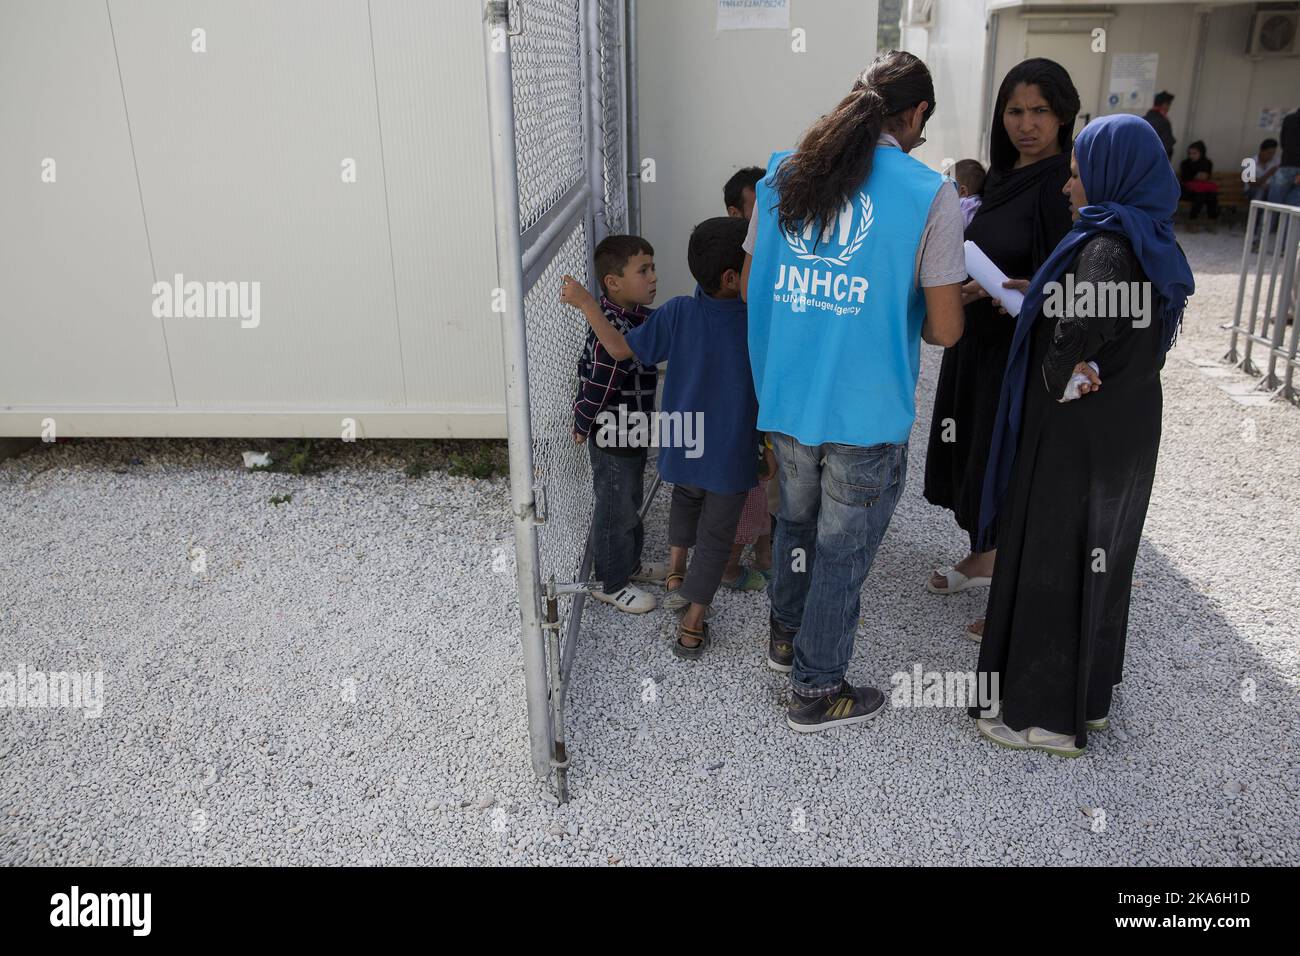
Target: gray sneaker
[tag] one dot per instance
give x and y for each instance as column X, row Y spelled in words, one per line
column 848, row 705
column 1031, row 738
column 780, row 646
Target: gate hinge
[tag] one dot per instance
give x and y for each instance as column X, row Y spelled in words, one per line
column 539, row 502
column 505, row 11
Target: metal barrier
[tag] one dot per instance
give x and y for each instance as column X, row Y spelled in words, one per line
column 1273, row 240
column 559, row 92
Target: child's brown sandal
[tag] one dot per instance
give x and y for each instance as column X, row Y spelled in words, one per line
column 691, row 653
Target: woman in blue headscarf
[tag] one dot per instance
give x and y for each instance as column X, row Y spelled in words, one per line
column 1074, row 445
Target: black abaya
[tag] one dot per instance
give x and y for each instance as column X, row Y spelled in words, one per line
column 1057, row 617
column 1021, row 220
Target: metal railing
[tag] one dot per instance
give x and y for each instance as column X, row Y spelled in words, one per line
column 559, row 92
column 1273, row 242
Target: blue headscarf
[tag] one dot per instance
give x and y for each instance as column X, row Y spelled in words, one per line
column 1131, row 189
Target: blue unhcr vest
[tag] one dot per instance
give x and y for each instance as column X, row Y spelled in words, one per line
column 835, row 325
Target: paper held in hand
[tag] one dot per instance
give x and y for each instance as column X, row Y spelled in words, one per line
column 981, row 268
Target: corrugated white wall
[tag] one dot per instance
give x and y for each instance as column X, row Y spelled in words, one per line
column 226, row 166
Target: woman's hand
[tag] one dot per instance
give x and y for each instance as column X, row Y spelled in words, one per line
column 572, row 292
column 1018, row 284
column 1094, row 380
column 972, row 291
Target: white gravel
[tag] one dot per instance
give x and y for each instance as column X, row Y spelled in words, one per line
column 227, row 735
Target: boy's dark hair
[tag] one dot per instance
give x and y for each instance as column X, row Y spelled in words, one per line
column 1269, row 143
column 970, row 173
column 1164, row 97
column 1055, row 86
column 714, row 248
column 733, row 193
column 613, row 252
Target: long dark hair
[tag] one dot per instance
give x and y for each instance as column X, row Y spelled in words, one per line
column 834, row 156
column 1054, row 83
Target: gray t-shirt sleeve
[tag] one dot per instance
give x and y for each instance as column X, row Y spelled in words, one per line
column 751, row 237
column 941, row 257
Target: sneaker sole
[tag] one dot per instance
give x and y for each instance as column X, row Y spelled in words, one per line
column 830, row 724
column 779, row 668
column 1066, row 754
column 1099, row 724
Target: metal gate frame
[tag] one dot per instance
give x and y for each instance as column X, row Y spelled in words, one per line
column 561, row 228
column 1276, row 228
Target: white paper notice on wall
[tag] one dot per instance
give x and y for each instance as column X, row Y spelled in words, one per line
column 1271, row 117
column 1132, row 82
column 753, row 15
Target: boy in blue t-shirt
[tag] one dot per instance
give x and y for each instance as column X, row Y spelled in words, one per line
column 707, row 429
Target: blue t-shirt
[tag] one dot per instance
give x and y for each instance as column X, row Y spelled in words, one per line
column 707, row 431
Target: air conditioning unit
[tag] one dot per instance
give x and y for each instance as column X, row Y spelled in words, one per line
column 1275, row 30
column 920, row 13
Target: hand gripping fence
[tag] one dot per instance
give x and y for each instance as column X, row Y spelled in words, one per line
column 559, row 94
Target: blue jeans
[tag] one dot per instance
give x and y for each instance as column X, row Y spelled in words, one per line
column 1282, row 187
column 617, row 534
column 836, row 502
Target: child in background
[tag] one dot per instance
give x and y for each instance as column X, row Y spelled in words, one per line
column 969, row 175
column 625, row 269
column 738, row 193
column 755, row 527
column 705, row 339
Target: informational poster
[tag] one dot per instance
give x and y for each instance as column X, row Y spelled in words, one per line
column 753, row 14
column 1271, row 117
column 1132, row 82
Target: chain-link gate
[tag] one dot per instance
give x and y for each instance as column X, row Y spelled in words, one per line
column 558, row 95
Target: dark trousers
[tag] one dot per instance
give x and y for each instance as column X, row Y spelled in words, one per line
column 706, row 521
column 1208, row 201
column 617, row 534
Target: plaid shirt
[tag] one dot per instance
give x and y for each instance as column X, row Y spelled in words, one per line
column 604, row 383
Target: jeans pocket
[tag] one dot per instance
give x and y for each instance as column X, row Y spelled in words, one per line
column 858, row 476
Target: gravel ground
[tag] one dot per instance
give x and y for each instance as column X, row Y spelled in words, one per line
column 342, row 681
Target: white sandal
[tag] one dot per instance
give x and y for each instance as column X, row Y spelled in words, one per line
column 956, row 582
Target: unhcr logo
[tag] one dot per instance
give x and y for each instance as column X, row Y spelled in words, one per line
column 841, row 231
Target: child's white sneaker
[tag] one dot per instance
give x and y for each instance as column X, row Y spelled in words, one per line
column 629, row 599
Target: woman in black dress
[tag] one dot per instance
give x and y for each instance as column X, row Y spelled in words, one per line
column 1022, row 218
column 1072, row 477
column 1199, row 187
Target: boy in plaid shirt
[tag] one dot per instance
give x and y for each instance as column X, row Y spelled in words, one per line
column 625, row 269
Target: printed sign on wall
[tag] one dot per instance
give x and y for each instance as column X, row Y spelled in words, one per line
column 753, row 14
column 1132, row 82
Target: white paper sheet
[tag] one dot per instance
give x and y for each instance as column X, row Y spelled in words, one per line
column 981, row 268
